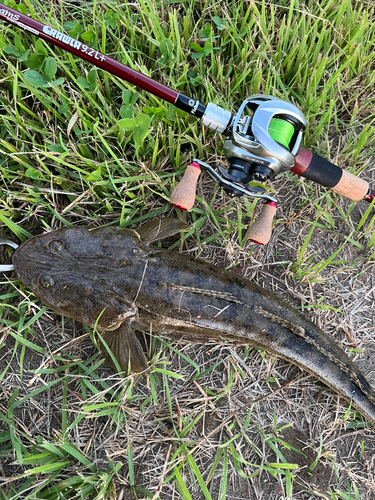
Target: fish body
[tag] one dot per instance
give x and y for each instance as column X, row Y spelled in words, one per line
column 111, row 279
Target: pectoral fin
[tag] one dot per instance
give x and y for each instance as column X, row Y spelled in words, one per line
column 126, row 349
column 158, row 229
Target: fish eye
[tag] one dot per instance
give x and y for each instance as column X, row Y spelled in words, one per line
column 56, row 245
column 46, row 281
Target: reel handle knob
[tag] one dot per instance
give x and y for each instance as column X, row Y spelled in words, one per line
column 183, row 195
column 261, row 230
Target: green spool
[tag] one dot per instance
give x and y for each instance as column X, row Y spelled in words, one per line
column 281, row 131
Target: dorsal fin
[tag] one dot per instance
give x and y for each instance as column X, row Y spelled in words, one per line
column 158, row 229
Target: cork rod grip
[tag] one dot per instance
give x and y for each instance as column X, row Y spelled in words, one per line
column 183, row 195
column 351, row 186
column 261, row 230
column 314, row 167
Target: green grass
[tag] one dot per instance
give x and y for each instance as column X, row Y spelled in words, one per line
column 79, row 146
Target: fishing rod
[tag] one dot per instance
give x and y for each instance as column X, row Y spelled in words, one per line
column 262, row 139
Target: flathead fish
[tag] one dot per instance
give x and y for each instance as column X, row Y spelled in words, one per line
column 111, row 279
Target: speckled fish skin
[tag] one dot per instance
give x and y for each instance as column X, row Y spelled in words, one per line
column 108, row 277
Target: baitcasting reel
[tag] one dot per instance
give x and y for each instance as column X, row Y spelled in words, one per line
column 265, row 137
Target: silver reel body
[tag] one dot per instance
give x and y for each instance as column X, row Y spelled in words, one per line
column 251, row 140
column 252, row 153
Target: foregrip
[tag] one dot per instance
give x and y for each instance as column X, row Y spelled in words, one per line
column 317, row 169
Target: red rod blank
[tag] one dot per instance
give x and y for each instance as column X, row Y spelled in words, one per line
column 81, row 50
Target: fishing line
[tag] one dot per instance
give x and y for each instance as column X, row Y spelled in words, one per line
column 281, row 131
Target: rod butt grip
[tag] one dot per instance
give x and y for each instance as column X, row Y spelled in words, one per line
column 183, row 195
column 351, row 186
column 261, row 230
column 317, row 169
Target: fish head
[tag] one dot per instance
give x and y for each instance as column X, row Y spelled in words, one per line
column 75, row 272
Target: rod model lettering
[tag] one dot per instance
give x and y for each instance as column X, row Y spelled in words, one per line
column 262, row 139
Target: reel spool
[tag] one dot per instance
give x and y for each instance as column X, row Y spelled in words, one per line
column 266, row 135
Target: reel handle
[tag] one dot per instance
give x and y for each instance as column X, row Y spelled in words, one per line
column 183, row 195
column 315, row 168
column 261, row 230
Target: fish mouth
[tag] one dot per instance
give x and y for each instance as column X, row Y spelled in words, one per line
column 28, row 268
